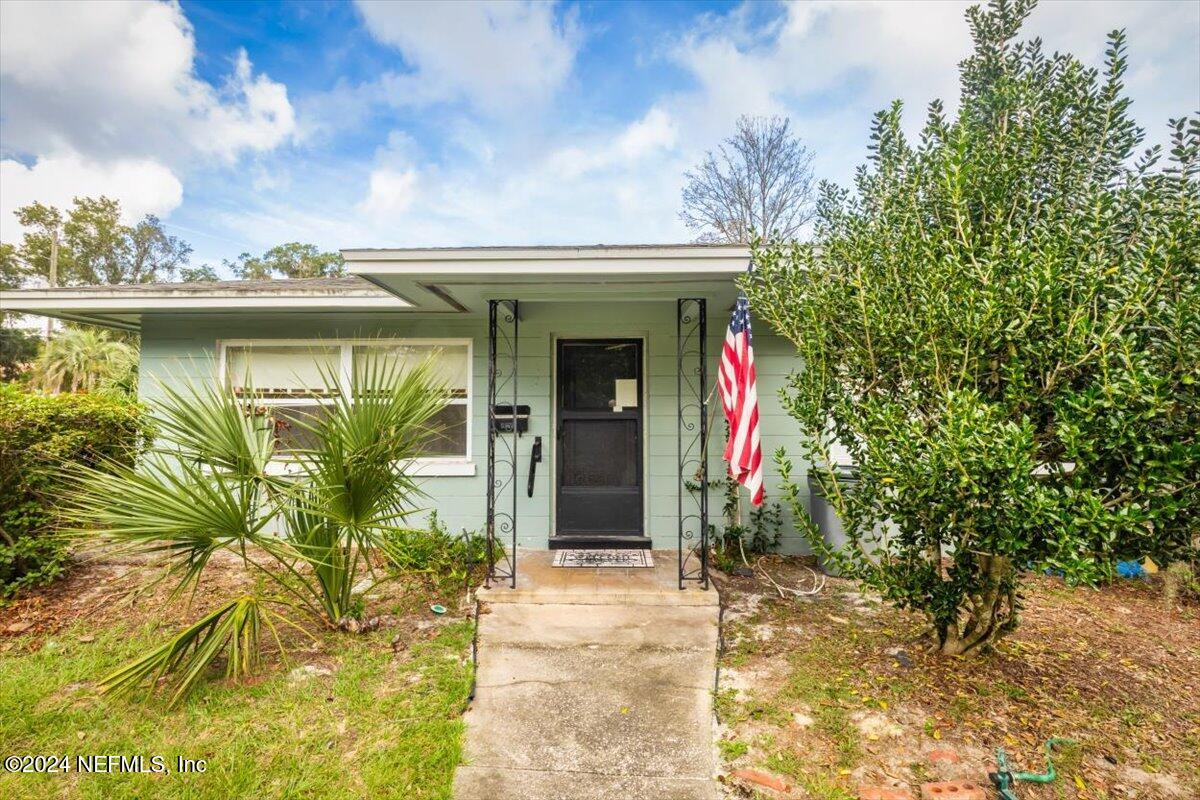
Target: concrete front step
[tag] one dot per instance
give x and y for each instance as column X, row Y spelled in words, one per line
column 486, row 783
column 539, row 582
column 639, row 728
column 590, row 597
column 592, row 701
column 553, row 626
column 595, row 664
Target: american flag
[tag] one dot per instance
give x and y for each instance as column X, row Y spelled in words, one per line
column 739, row 398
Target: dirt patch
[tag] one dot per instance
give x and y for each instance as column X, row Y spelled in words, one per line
column 102, row 590
column 1113, row 669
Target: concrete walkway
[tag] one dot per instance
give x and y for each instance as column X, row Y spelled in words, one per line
column 593, row 683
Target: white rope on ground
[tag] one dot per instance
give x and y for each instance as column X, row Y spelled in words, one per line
column 818, row 581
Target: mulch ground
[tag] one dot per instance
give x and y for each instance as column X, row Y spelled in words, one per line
column 840, row 691
column 101, row 590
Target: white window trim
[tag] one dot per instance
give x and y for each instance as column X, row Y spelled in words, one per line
column 429, row 466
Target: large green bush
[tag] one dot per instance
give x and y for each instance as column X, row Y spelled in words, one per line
column 38, row 435
column 999, row 325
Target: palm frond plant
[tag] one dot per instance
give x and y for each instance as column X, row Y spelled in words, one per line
column 207, row 485
column 84, row 360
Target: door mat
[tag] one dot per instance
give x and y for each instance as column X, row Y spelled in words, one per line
column 603, row 558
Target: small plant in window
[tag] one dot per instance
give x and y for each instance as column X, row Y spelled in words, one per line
column 206, row 486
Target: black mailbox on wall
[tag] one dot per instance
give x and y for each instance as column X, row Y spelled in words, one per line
column 504, row 418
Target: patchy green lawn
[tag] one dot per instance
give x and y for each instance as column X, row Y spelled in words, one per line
column 837, row 692
column 374, row 715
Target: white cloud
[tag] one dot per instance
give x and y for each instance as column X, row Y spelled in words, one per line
column 143, row 186
column 623, row 188
column 499, row 161
column 608, row 186
column 391, row 193
column 103, row 97
column 1164, row 51
column 653, row 135
column 117, row 78
column 654, row 131
column 831, row 65
column 499, row 56
column 827, row 65
column 258, row 115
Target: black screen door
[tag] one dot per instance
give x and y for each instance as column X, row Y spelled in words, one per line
column 599, row 456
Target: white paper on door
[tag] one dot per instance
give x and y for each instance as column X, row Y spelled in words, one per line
column 626, row 394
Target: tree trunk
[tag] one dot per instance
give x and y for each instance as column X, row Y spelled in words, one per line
column 988, row 614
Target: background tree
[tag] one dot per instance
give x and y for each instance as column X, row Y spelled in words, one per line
column 153, row 253
column 84, row 359
column 12, row 271
column 42, row 224
column 758, row 182
column 291, row 260
column 202, row 273
column 95, row 247
column 999, row 326
column 18, row 349
column 17, row 345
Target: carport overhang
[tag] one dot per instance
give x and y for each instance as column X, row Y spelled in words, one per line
column 462, row 280
column 123, row 307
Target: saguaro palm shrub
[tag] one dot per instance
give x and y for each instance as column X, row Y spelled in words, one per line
column 1000, row 327
column 207, row 485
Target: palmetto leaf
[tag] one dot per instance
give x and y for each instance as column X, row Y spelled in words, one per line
column 173, row 508
column 364, row 442
column 186, row 658
column 205, row 486
column 319, row 542
column 211, row 424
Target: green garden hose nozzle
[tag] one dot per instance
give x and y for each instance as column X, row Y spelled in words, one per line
column 1003, row 778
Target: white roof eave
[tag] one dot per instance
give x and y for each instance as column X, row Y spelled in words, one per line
column 32, row 302
column 501, row 262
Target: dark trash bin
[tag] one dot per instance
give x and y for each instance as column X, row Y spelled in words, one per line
column 824, row 514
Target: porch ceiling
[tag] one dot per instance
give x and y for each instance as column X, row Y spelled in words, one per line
column 463, row 279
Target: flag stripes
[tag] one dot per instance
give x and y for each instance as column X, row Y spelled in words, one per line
column 736, row 381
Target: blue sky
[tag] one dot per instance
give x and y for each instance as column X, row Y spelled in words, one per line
column 247, row 124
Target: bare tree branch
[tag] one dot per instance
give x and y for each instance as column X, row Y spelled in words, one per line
column 759, row 181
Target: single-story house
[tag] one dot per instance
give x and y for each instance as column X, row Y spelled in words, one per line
column 583, row 411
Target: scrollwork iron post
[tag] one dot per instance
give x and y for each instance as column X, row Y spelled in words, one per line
column 691, row 427
column 503, row 327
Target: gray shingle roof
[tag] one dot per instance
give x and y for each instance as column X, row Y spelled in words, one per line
column 503, row 247
column 340, row 286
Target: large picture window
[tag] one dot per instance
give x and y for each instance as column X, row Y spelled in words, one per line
column 451, row 368
column 290, row 377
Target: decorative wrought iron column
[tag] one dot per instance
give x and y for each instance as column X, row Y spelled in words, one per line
column 691, row 426
column 503, row 323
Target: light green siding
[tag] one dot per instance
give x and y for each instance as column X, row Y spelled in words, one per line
column 179, row 346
